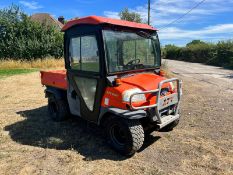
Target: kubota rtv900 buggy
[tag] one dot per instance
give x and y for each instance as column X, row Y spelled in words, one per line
column 113, row 79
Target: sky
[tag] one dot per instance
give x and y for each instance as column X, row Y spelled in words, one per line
column 211, row 21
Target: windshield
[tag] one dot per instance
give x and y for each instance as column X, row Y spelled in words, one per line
column 127, row 51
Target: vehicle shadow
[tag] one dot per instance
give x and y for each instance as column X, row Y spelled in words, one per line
column 38, row 130
column 149, row 140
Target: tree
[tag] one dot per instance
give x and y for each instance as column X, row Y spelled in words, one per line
column 22, row 38
column 195, row 42
column 130, row 16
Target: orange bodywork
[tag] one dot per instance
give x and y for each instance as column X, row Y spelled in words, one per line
column 113, row 96
column 142, row 81
column 54, row 78
column 95, row 20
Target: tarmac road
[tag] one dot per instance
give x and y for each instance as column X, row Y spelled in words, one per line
column 217, row 76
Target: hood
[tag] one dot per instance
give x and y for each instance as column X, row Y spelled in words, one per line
column 143, row 81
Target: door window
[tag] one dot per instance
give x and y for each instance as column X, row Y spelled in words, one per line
column 87, row 88
column 84, row 54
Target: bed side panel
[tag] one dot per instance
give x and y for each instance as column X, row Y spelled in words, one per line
column 55, row 78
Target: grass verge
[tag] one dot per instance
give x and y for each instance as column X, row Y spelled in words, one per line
column 10, row 67
column 34, row 64
column 165, row 69
column 10, row 72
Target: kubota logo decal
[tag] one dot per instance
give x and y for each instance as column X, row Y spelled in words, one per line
column 112, row 94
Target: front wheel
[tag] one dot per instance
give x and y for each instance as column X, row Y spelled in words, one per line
column 125, row 136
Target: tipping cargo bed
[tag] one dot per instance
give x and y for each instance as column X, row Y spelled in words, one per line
column 54, row 78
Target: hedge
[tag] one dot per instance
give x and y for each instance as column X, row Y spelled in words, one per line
column 219, row 54
column 22, row 38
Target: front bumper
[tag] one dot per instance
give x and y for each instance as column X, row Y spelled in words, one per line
column 162, row 103
column 167, row 120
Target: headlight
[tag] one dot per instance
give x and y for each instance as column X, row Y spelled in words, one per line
column 136, row 98
column 172, row 86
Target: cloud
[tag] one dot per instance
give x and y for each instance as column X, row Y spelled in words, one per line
column 178, row 36
column 33, row 5
column 111, row 14
column 164, row 12
column 204, row 33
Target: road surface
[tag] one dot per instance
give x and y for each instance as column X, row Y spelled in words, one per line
column 217, row 76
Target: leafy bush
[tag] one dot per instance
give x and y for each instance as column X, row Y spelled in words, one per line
column 171, row 52
column 22, row 38
column 224, row 55
column 195, row 42
column 220, row 54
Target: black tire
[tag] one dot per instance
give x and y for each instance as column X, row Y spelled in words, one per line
column 125, row 136
column 58, row 109
column 171, row 126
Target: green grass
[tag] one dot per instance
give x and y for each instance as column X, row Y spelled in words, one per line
column 10, row 72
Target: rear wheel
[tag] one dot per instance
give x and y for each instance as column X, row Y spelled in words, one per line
column 125, row 136
column 58, row 109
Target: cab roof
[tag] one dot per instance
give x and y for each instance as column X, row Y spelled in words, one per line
column 95, row 20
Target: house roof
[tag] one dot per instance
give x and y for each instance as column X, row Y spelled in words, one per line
column 94, row 20
column 46, row 18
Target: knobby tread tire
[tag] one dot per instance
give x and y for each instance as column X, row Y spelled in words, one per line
column 137, row 132
column 135, row 135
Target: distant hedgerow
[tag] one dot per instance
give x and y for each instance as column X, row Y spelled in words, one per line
column 220, row 54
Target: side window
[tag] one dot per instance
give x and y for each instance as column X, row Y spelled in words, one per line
column 84, row 54
column 75, row 56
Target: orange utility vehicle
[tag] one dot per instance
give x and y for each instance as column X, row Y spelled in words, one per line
column 113, row 79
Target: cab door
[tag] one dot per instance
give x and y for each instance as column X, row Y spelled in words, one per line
column 84, row 59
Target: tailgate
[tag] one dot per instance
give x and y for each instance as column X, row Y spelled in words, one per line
column 55, row 78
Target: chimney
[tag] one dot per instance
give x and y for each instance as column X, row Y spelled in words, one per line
column 61, row 19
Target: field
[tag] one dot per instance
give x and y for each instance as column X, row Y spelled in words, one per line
column 30, row 143
column 13, row 67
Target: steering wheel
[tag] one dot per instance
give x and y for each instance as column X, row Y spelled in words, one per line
column 135, row 61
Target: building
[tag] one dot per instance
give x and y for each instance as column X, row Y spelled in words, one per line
column 46, row 18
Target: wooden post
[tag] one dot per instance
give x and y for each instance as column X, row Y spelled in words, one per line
column 148, row 12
